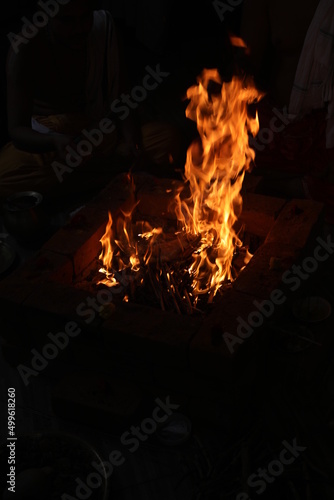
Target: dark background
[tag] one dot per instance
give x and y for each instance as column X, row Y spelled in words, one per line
column 279, row 396
column 185, row 37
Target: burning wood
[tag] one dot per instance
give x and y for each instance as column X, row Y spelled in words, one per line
column 194, row 260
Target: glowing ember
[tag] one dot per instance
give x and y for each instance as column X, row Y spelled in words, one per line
column 214, row 172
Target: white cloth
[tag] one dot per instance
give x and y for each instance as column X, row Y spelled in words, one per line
column 38, row 127
column 314, row 79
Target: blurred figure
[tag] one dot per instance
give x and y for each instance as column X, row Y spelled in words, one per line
column 61, row 84
column 292, row 57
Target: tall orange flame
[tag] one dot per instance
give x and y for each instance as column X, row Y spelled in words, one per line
column 215, row 171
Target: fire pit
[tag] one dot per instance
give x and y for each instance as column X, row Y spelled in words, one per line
column 54, row 285
column 147, row 260
column 185, row 264
column 171, row 264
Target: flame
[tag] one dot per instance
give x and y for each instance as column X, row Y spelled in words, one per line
column 108, row 246
column 237, row 42
column 120, row 243
column 215, row 170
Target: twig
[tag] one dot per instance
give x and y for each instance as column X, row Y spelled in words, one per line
column 162, row 303
column 190, row 308
column 151, row 276
column 176, row 288
column 169, row 288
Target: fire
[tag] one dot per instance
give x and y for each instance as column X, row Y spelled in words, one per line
column 121, row 246
column 214, row 171
column 237, row 42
